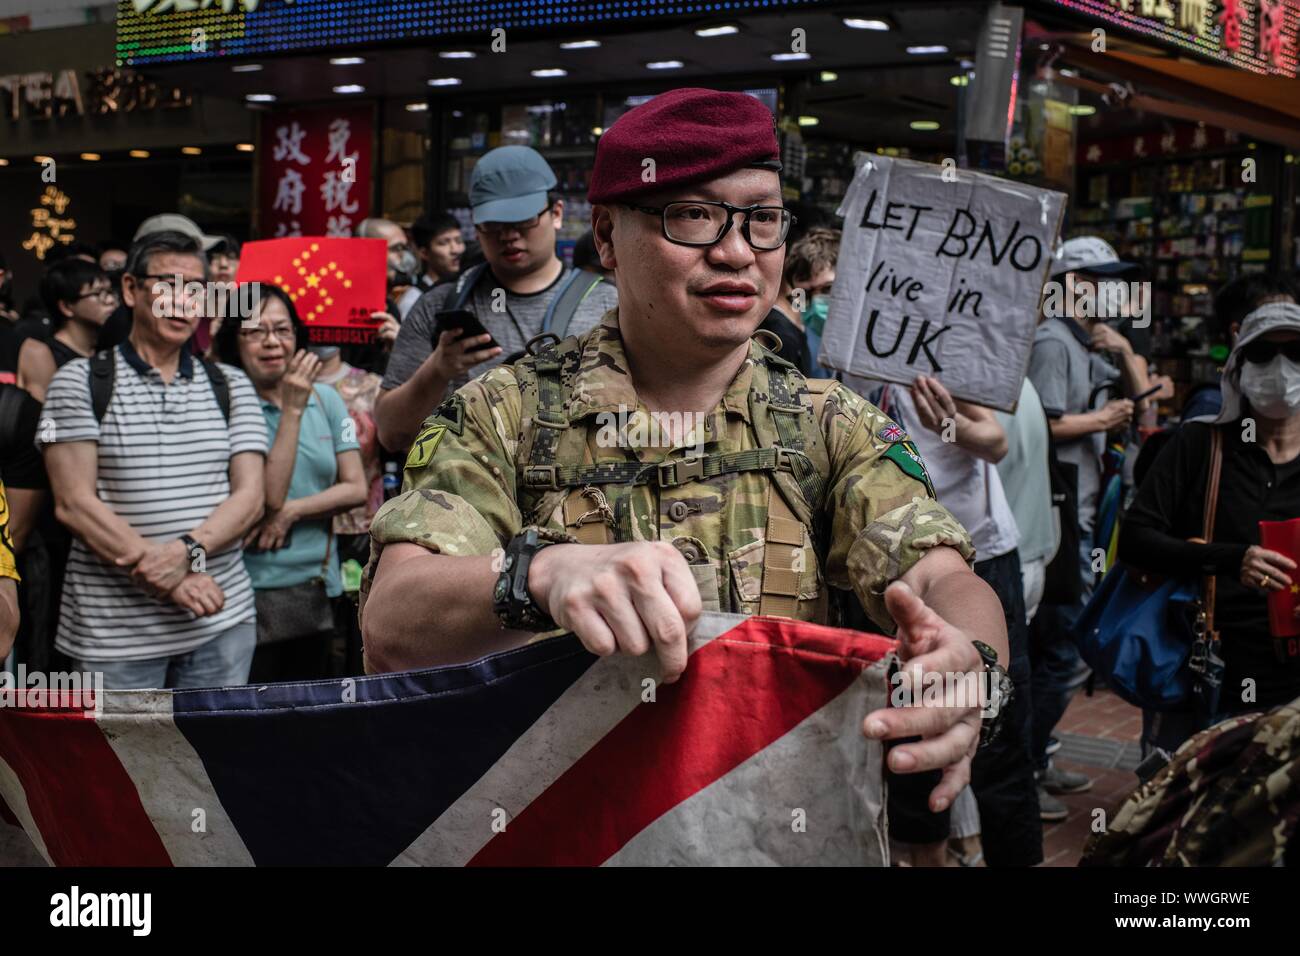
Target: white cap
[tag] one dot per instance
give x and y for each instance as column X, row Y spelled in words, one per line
column 175, row 222
column 1089, row 254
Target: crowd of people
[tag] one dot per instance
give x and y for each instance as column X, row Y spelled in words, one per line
column 190, row 496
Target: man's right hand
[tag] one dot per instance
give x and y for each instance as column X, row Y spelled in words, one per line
column 200, row 594
column 1116, row 413
column 453, row 358
column 620, row 597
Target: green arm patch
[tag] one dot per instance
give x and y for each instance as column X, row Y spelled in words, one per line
column 425, row 444
column 452, row 413
column 905, row 456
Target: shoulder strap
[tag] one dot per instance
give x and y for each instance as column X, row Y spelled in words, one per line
column 547, row 438
column 102, row 369
column 782, row 420
column 220, row 387
column 465, row 285
column 572, row 292
column 1211, row 509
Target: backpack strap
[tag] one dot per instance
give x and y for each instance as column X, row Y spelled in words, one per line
column 465, row 285
column 220, row 387
column 103, row 367
column 573, row 291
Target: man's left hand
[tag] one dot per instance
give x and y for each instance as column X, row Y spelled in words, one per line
column 949, row 734
column 163, row 566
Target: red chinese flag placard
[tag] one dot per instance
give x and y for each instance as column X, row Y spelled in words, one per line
column 335, row 284
column 1284, row 538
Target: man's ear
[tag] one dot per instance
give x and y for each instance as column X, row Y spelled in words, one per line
column 558, row 213
column 602, row 231
column 129, row 290
column 64, row 308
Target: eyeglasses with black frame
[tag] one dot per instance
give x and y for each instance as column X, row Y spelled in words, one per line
column 704, row 222
column 495, row 229
column 1263, row 351
column 106, row 293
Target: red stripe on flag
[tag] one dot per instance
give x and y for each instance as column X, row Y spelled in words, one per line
column 741, row 692
column 79, row 794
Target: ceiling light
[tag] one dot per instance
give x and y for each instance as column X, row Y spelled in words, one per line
column 43, row 159
column 549, row 72
column 924, row 126
column 350, row 88
column 191, row 151
column 244, row 147
column 346, row 60
column 139, row 154
column 721, row 30
column 4, row 162
column 829, row 76
column 922, row 50
column 664, row 65
column 808, row 121
column 246, row 68
column 1083, row 109
column 597, row 130
column 961, row 79
column 445, row 81
column 90, row 157
column 457, row 113
column 260, row 97
column 416, row 107
column 579, row 44
column 858, row 23
column 457, row 54
column 782, row 57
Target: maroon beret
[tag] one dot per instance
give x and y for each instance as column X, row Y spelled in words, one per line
column 691, row 134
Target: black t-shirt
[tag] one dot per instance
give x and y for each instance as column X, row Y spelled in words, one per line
column 20, row 462
column 1169, row 509
column 794, row 346
column 63, row 354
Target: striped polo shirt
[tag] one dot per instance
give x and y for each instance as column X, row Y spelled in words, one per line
column 164, row 466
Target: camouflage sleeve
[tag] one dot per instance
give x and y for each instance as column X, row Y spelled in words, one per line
column 883, row 515
column 459, row 492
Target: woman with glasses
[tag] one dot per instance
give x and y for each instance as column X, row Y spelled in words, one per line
column 1259, row 481
column 313, row 472
column 79, row 298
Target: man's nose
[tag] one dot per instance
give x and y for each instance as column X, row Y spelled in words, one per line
column 732, row 249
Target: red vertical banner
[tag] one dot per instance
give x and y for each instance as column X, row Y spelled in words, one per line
column 315, row 171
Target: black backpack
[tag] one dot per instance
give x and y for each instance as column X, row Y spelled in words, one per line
column 103, row 368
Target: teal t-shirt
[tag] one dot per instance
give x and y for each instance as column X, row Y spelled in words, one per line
column 325, row 431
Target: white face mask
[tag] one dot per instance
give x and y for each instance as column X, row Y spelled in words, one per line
column 1273, row 389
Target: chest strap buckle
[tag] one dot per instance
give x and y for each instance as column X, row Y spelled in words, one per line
column 681, row 470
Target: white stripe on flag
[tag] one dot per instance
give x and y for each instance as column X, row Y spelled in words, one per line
column 171, row 779
column 12, row 850
column 798, row 779
column 579, row 719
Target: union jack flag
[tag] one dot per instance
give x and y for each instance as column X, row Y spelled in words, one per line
column 544, row 754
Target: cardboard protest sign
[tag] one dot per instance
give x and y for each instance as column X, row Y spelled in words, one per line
column 940, row 273
column 334, row 284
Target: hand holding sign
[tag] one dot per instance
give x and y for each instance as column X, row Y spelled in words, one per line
column 937, row 275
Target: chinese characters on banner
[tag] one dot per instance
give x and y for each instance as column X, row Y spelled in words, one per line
column 335, row 284
column 315, row 171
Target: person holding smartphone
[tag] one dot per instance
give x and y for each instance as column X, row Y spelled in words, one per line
column 514, row 294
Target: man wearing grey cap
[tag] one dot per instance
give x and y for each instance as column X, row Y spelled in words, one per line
column 522, row 290
column 1070, row 372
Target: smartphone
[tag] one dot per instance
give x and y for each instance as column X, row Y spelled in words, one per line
column 462, row 319
column 1148, row 393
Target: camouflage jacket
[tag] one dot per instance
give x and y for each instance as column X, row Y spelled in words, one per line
column 1229, row 797
column 461, row 488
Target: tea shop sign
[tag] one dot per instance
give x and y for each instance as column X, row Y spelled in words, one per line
column 62, row 93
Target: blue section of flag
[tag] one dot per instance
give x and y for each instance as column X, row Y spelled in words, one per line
column 359, row 792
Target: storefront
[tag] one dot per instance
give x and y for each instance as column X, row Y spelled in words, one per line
column 89, row 149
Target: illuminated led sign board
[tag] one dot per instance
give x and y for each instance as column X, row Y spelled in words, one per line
column 178, row 31
column 1256, row 35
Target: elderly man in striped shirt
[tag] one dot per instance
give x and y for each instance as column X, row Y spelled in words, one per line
column 155, row 459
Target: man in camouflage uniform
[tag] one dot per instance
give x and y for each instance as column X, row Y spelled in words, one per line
column 1229, row 797
column 785, row 497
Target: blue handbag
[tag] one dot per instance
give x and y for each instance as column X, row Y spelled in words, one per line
column 1155, row 643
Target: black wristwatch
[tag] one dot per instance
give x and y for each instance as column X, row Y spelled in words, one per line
column 510, row 598
column 191, row 546
column 998, row 687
